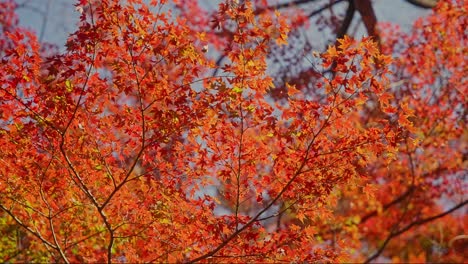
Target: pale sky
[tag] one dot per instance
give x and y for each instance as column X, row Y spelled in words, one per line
column 62, row 17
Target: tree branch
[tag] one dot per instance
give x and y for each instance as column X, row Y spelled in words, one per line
column 411, row 225
column 424, row 3
column 323, row 8
column 299, row 171
column 365, row 9
column 283, row 5
column 29, row 229
column 347, row 20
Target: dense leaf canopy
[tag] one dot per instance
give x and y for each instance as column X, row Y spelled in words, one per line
column 169, row 132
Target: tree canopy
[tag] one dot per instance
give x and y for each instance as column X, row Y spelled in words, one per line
column 169, row 132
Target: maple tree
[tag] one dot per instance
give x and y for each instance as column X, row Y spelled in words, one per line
column 135, row 145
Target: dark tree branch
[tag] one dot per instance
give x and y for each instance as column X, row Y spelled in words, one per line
column 44, row 21
column 347, row 20
column 365, row 9
column 218, row 64
column 403, row 196
column 323, row 8
column 411, row 225
column 397, row 200
column 283, row 5
column 424, row 3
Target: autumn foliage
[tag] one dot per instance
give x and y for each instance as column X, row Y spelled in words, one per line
column 135, row 145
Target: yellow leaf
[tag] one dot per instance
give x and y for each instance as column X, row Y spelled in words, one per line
column 201, row 36
column 250, row 63
column 237, row 89
column 68, row 85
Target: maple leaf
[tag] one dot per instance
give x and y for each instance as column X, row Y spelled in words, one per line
column 137, row 144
